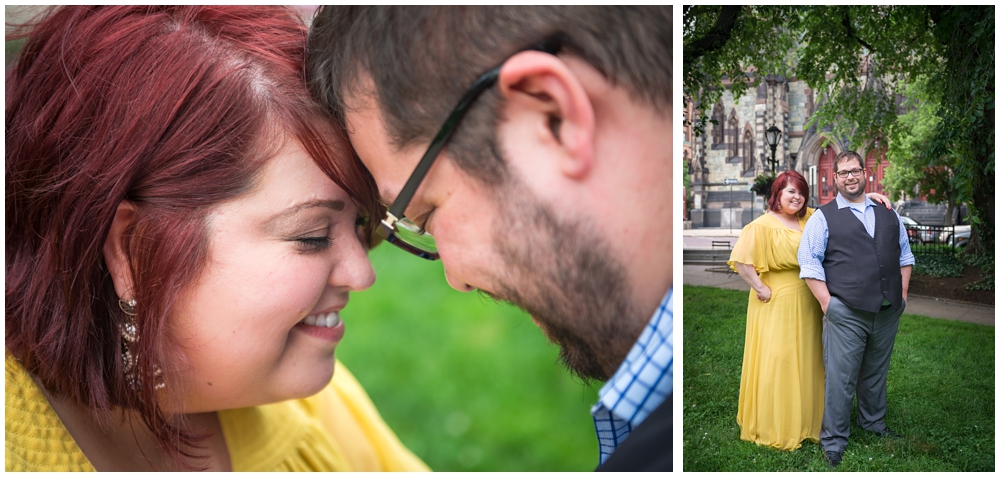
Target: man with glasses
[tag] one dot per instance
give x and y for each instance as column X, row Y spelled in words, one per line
column 529, row 149
column 856, row 259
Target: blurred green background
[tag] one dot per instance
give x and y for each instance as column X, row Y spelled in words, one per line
column 467, row 384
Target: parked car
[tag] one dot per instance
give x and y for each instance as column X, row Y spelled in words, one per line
column 916, row 233
column 960, row 238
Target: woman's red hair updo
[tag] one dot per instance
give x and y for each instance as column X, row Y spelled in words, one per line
column 174, row 109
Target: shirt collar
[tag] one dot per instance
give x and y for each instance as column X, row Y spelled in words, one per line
column 645, row 379
column 842, row 202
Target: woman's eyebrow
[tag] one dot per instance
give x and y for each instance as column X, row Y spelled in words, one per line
column 335, row 205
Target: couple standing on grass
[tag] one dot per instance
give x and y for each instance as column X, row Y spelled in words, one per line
column 829, row 286
column 191, row 192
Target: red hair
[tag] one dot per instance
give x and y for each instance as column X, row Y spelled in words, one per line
column 174, row 109
column 782, row 181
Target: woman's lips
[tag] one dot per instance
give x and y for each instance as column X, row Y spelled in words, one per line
column 325, row 326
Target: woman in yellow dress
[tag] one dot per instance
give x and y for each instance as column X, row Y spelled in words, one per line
column 781, row 386
column 183, row 228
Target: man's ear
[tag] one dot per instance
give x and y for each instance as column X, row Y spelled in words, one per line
column 114, row 249
column 541, row 88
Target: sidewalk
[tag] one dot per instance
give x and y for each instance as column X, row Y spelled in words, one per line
column 701, row 239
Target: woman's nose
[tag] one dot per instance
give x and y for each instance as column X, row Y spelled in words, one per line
column 354, row 270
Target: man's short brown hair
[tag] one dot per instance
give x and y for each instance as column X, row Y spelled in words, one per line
column 847, row 156
column 422, row 59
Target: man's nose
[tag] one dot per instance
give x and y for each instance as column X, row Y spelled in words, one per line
column 456, row 283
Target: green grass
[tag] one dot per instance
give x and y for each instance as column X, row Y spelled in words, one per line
column 940, row 392
column 466, row 383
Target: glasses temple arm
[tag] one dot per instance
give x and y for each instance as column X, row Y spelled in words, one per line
column 550, row 45
column 403, row 199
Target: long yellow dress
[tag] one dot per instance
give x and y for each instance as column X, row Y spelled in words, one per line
column 337, row 429
column 781, row 388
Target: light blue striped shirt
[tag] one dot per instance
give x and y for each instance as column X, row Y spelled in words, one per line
column 812, row 248
column 642, row 382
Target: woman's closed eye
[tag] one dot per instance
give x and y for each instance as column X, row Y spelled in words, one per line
column 314, row 244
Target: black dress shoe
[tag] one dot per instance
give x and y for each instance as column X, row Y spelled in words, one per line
column 833, row 457
column 888, row 433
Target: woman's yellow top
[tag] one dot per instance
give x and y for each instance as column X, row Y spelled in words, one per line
column 768, row 244
column 338, row 429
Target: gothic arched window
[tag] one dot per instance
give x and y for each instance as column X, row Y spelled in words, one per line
column 732, row 135
column 718, row 128
column 748, row 149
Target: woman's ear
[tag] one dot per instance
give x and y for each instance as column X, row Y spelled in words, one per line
column 541, row 88
column 114, row 249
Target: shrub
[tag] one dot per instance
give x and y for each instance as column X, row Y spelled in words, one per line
column 938, row 265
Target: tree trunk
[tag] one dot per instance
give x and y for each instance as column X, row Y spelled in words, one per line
column 983, row 234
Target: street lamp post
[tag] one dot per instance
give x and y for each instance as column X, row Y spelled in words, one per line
column 772, row 135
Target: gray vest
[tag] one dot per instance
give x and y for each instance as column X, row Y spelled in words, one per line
column 862, row 271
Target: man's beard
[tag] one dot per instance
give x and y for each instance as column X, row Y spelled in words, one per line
column 848, row 195
column 566, row 278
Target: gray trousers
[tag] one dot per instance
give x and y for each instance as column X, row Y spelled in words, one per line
column 856, row 349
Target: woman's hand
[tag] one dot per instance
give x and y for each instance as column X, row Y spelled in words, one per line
column 764, row 294
column 881, row 199
column 749, row 275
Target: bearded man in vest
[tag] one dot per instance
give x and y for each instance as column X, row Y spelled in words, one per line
column 856, row 259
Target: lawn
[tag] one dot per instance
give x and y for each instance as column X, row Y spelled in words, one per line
column 940, row 393
column 466, row 383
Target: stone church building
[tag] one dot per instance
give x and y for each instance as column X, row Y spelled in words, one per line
column 724, row 161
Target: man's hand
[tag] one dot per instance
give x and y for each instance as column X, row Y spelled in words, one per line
column 905, row 272
column 820, row 291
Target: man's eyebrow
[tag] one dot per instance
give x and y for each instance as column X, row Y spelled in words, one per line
column 335, row 205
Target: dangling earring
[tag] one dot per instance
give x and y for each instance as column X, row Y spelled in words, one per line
column 128, row 329
column 130, row 335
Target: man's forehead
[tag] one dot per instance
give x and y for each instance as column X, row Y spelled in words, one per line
column 848, row 161
column 366, row 130
column 360, row 93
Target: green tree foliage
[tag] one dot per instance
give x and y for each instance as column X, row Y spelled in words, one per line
column 910, row 136
column 967, row 90
column 728, row 43
column 861, row 60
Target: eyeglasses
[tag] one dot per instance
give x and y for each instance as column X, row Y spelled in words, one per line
column 401, row 231
column 853, row 172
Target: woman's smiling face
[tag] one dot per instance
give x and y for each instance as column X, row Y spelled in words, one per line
column 791, row 199
column 261, row 323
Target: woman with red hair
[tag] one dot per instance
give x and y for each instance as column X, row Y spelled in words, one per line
column 781, row 386
column 183, row 227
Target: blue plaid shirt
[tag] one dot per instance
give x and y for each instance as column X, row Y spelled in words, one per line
column 641, row 384
column 812, row 248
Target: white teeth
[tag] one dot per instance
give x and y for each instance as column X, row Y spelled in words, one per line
column 332, row 319
column 326, row 320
